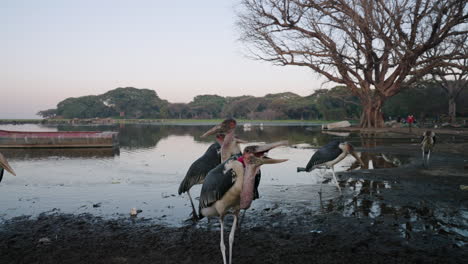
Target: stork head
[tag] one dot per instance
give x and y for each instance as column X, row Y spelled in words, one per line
column 4, row 164
column 349, row 149
column 254, row 157
column 346, row 147
column 225, row 127
column 428, row 133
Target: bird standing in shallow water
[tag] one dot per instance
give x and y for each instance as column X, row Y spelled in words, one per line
column 230, row 187
column 213, row 156
column 427, row 144
column 5, row 166
column 230, row 148
column 329, row 155
column 197, row 172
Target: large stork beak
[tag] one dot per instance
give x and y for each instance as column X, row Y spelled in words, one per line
column 214, row 130
column 351, row 151
column 255, row 159
column 240, row 141
column 356, row 156
column 266, row 147
column 267, row 160
column 260, row 150
column 4, row 164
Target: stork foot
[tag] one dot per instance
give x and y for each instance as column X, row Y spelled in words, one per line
column 424, row 164
column 194, row 218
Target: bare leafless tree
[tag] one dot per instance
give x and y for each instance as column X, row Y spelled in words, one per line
column 371, row 46
column 453, row 75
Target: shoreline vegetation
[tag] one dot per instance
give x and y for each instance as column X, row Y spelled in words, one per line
column 110, row 121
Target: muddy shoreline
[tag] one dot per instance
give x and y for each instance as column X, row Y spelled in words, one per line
column 401, row 215
column 85, row 239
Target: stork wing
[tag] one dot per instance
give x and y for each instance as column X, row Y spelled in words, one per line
column 199, row 169
column 218, row 181
column 326, row 153
column 4, row 165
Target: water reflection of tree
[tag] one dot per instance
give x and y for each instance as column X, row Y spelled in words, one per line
column 294, row 134
column 43, row 153
column 148, row 135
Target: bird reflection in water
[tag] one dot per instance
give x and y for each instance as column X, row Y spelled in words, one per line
column 376, row 161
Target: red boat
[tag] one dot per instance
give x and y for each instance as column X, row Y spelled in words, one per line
column 65, row 139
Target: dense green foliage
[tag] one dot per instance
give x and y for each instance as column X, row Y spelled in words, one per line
column 426, row 100
column 126, row 102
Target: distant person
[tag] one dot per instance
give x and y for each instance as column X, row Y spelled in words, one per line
column 410, row 121
column 398, row 119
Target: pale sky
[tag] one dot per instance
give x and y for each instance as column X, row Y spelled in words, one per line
column 54, row 49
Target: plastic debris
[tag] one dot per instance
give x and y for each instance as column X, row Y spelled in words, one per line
column 133, row 212
column 316, row 231
column 44, row 240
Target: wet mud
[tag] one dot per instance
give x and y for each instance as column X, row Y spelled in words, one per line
column 394, row 214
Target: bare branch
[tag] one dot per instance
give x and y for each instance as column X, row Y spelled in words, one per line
column 371, row 46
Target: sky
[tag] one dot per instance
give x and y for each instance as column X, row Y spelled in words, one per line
column 54, row 49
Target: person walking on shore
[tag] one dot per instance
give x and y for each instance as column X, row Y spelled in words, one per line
column 410, row 121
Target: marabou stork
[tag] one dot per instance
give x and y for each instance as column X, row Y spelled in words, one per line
column 229, row 187
column 329, row 155
column 427, row 144
column 197, row 172
column 230, row 147
column 5, row 166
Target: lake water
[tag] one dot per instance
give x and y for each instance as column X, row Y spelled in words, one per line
column 145, row 171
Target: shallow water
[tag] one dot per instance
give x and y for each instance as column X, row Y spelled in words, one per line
column 146, row 170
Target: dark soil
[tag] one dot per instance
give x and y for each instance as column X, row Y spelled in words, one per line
column 423, row 219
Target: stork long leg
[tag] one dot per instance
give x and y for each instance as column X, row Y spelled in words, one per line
column 223, row 247
column 334, row 177
column 241, row 218
column 194, row 212
column 321, row 183
column 231, row 235
column 428, row 156
column 423, row 158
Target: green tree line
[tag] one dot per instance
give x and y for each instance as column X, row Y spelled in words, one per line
column 427, row 100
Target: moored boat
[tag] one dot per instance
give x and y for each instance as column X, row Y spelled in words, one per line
column 59, row 139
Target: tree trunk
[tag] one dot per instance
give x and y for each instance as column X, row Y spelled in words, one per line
column 452, row 113
column 371, row 116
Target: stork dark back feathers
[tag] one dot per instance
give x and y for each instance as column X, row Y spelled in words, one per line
column 199, row 169
column 326, row 153
column 217, row 183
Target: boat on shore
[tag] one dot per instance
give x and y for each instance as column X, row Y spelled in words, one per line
column 59, row 139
